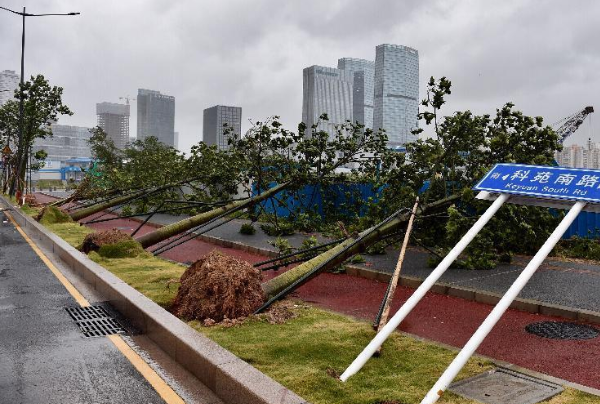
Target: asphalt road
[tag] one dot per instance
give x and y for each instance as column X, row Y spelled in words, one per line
column 44, row 358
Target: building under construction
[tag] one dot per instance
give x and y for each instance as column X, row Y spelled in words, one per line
column 114, row 120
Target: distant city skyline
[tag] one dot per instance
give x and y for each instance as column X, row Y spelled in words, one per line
column 580, row 156
column 208, row 54
column 383, row 94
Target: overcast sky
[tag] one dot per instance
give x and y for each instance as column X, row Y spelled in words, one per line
column 543, row 55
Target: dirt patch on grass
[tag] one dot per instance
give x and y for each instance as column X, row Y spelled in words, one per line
column 280, row 312
column 94, row 241
column 218, row 287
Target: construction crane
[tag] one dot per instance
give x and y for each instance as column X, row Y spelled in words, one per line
column 127, row 99
column 570, row 124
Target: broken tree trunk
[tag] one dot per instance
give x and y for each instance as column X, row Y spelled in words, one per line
column 389, row 295
column 340, row 253
column 173, row 229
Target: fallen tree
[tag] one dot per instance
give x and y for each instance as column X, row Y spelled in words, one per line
column 99, row 207
column 285, row 283
column 174, row 229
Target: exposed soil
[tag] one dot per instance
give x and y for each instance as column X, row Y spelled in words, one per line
column 280, row 312
column 31, row 200
column 218, row 287
column 93, row 241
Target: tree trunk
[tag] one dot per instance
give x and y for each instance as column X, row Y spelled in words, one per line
column 99, row 207
column 173, row 229
column 342, row 252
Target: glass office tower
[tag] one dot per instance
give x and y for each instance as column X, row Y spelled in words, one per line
column 327, row 90
column 364, row 80
column 396, row 92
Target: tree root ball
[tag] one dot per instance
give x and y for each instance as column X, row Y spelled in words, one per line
column 218, row 287
column 94, row 241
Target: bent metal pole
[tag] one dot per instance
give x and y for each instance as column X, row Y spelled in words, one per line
column 457, row 364
column 410, row 304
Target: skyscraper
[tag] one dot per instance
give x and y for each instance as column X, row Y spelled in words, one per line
column 9, row 82
column 156, row 116
column 364, row 76
column 327, row 90
column 214, row 118
column 396, row 103
column 114, row 120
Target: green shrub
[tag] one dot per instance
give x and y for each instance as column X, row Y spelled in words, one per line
column 580, row 247
column 309, row 242
column 126, row 211
column 283, row 245
column 377, row 248
column 247, row 229
column 280, row 229
column 357, row 259
column 52, row 214
column 123, row 249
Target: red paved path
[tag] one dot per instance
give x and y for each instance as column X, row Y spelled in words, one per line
column 437, row 317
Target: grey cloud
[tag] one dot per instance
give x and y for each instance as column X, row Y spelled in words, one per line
column 542, row 55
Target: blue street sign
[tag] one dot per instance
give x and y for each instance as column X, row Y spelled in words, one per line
column 543, row 182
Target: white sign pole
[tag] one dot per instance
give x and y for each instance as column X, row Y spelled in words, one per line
column 407, row 307
column 457, row 364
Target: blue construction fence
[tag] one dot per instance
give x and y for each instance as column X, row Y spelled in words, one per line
column 587, row 224
column 343, row 196
column 316, row 199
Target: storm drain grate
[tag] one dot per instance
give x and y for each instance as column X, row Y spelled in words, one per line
column 87, row 313
column 562, row 330
column 94, row 321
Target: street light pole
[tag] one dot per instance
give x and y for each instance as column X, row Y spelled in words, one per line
column 21, row 153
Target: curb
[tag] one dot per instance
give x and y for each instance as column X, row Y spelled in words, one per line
column 490, row 298
column 229, row 377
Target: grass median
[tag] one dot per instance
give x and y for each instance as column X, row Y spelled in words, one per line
column 308, row 351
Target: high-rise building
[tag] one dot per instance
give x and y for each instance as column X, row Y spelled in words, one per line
column 362, row 89
column 396, row 92
column 576, row 156
column 327, row 90
column 114, row 120
column 214, row 119
column 156, row 116
column 9, row 82
column 67, row 142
